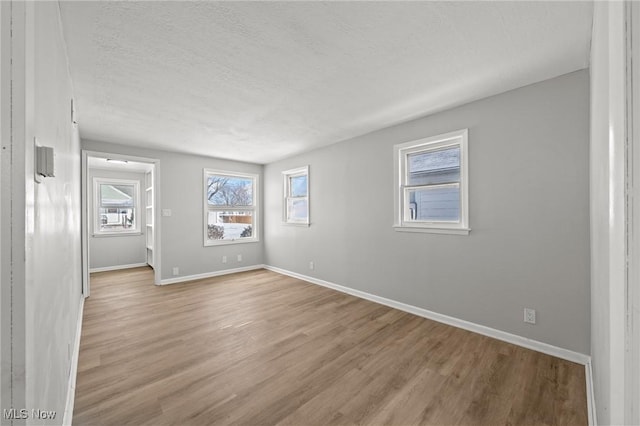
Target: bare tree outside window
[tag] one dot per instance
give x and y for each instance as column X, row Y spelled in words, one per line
column 230, row 191
column 230, row 207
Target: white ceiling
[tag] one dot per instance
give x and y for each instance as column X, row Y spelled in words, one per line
column 259, row 81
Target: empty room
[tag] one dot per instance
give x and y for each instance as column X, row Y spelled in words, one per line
column 319, row 212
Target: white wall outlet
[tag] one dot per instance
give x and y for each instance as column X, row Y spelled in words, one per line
column 176, row 271
column 224, row 259
column 239, row 258
column 530, row 315
column 166, row 212
column 312, row 265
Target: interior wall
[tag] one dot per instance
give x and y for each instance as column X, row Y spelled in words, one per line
column 52, row 216
column 181, row 191
column 529, row 216
column 607, row 146
column 117, row 250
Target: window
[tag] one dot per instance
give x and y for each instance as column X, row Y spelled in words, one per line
column 432, row 185
column 230, row 207
column 296, row 196
column 116, row 204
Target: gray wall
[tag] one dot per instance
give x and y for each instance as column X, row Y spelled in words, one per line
column 118, row 250
column 529, row 215
column 181, row 190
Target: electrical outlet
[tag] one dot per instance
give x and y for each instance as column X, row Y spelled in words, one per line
column 530, row 315
column 224, row 259
column 176, row 271
column 239, row 258
column 311, row 265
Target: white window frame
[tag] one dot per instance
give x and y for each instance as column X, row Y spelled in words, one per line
column 402, row 220
column 97, row 181
column 254, row 208
column 286, row 180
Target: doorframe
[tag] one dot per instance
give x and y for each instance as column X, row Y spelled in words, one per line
column 6, row 171
column 86, row 214
column 632, row 186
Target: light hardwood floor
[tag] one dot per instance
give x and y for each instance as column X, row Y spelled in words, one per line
column 259, row 348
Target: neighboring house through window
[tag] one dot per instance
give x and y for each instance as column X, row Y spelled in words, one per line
column 116, row 204
column 296, row 196
column 432, row 184
column 230, row 207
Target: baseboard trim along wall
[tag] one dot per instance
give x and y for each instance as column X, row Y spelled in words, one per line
column 470, row 326
column 73, row 373
column 116, row 267
column 185, row 278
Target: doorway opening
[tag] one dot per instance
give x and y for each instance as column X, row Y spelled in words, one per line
column 119, row 214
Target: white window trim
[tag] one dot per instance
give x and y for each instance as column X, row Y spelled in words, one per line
column 286, row 176
column 97, row 181
column 255, row 208
column 401, row 151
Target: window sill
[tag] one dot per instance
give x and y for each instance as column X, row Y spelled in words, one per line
column 434, row 230
column 116, row 234
column 299, row 224
column 213, row 243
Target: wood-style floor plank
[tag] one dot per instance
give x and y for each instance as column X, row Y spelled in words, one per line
column 260, row 348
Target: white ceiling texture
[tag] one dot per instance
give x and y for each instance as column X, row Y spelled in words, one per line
column 260, row 81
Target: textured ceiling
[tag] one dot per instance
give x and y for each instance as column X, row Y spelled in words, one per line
column 259, row 81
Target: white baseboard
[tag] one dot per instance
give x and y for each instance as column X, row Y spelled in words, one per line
column 591, row 398
column 210, row 274
column 73, row 373
column 467, row 325
column 116, row 267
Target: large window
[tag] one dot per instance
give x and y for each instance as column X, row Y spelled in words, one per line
column 296, row 196
column 116, row 204
column 230, row 207
column 432, row 184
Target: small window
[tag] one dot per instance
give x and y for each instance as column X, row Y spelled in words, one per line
column 116, row 204
column 432, row 184
column 230, row 207
column 296, row 196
